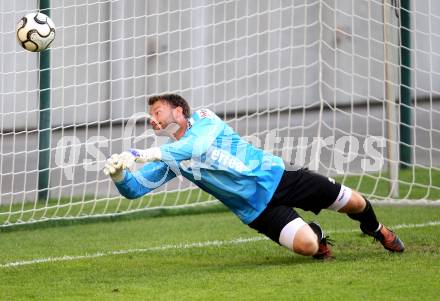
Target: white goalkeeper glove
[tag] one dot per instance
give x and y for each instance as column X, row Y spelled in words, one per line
column 146, row 155
column 115, row 165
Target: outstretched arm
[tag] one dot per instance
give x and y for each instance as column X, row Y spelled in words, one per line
column 141, row 182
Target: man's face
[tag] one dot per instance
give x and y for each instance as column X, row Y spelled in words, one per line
column 163, row 115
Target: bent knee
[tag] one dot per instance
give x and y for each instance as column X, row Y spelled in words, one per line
column 297, row 236
column 305, row 242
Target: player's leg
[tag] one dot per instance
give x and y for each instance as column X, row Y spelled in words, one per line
column 307, row 240
column 360, row 209
column 283, row 225
column 298, row 189
column 297, row 236
column 312, row 192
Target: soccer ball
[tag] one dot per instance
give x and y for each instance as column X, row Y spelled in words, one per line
column 35, row 32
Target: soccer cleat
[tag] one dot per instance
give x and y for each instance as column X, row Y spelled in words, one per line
column 324, row 250
column 324, row 243
column 389, row 239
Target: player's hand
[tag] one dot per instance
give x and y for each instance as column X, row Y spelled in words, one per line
column 115, row 165
column 146, row 155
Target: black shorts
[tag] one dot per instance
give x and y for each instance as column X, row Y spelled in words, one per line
column 302, row 189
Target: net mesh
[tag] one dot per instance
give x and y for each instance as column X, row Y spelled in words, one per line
column 316, row 82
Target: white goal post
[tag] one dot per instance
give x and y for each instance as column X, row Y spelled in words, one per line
column 318, row 82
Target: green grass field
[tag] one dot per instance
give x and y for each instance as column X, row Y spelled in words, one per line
column 212, row 256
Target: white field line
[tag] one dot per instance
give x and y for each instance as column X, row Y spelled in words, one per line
column 203, row 244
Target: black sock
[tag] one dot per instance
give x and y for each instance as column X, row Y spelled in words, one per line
column 317, row 229
column 367, row 218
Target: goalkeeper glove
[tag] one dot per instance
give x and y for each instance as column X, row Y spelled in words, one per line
column 115, row 165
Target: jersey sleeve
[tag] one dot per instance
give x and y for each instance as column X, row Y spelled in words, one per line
column 148, row 178
column 202, row 134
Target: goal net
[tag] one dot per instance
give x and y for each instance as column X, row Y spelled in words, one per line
column 348, row 88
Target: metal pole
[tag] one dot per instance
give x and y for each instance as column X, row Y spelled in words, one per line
column 44, row 117
column 391, row 106
column 405, row 85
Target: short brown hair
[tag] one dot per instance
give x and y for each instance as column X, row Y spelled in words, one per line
column 173, row 100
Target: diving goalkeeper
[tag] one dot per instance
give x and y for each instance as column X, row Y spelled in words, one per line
column 252, row 183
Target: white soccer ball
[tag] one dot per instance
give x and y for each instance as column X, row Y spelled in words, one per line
column 35, row 32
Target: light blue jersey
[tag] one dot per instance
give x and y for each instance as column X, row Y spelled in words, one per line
column 215, row 158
